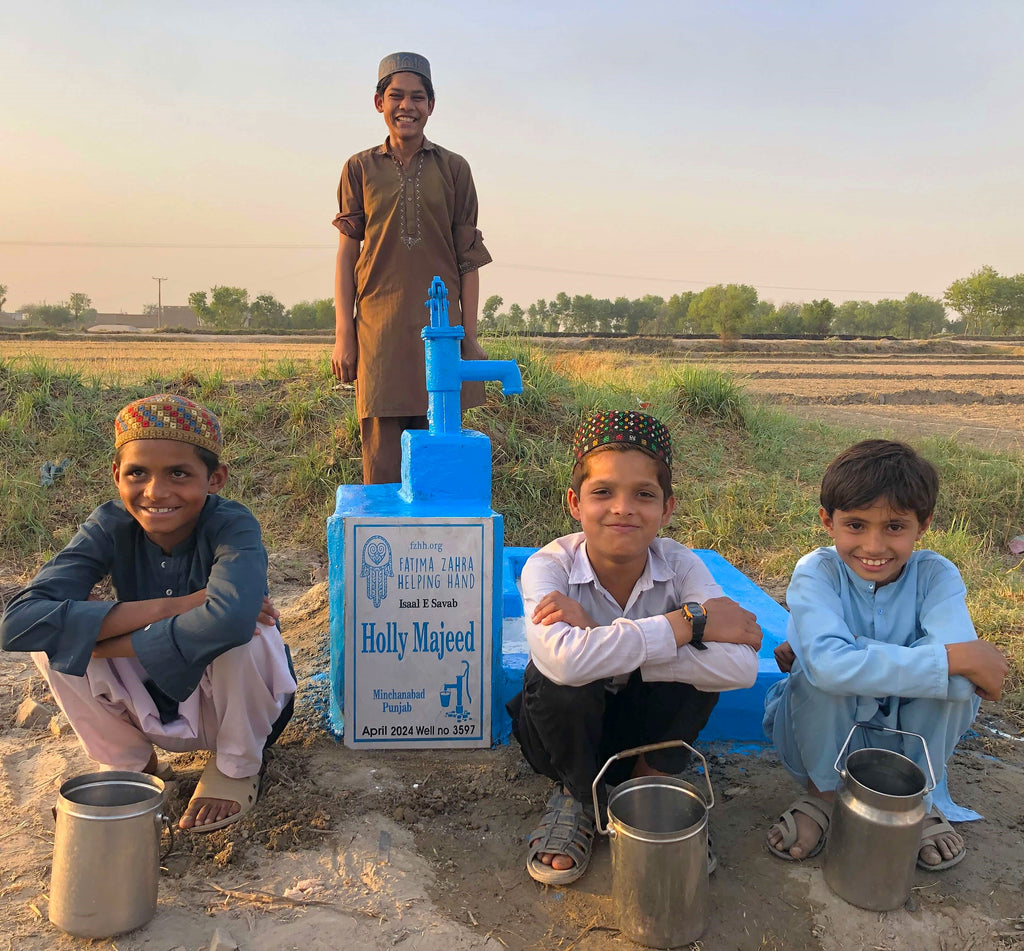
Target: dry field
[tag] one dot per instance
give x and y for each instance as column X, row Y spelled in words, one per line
column 894, row 388
column 904, row 389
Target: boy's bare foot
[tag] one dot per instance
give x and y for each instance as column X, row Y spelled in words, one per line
column 941, row 845
column 800, row 831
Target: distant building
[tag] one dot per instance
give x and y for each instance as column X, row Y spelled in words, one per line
column 172, row 317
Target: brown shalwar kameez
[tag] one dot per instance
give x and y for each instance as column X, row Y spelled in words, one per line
column 414, row 222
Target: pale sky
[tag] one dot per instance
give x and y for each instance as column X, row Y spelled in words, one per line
column 847, row 150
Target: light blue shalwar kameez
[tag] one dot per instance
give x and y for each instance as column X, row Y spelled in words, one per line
column 870, row 655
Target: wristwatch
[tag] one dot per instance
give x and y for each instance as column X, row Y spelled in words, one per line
column 698, row 618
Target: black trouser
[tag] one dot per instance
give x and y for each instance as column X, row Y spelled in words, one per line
column 568, row 733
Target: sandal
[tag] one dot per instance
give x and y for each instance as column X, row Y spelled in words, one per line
column 811, row 806
column 928, row 834
column 566, row 829
column 213, row 784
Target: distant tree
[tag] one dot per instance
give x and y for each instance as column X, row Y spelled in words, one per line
column 976, row 299
column 923, row 316
column 488, row 322
column 197, row 301
column 77, row 303
column 228, row 307
column 53, row 315
column 724, row 308
column 677, row 312
column 515, row 319
column 889, row 319
column 817, row 316
column 537, row 315
column 267, row 313
column 3, row 296
column 310, row 315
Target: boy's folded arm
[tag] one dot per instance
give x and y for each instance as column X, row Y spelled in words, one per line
column 175, row 651
column 721, row 667
column 53, row 613
column 575, row 656
column 838, row 662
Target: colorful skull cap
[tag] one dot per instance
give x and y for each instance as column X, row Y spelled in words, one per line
column 168, row 417
column 403, row 63
column 637, row 430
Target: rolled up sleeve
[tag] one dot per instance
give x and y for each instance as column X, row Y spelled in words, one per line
column 351, row 217
column 470, row 252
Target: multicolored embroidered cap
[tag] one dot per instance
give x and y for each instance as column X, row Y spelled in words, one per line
column 403, row 63
column 165, row 416
column 637, row 430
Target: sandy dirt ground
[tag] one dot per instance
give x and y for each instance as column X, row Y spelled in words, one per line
column 425, row 850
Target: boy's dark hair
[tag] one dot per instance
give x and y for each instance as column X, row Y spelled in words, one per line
column 209, row 459
column 880, row 468
column 427, row 84
column 581, row 470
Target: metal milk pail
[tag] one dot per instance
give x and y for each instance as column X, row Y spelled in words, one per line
column 106, row 853
column 875, row 833
column 658, row 828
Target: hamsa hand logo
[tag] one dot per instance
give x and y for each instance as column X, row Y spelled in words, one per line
column 376, row 568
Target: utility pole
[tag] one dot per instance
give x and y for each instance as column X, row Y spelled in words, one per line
column 159, row 301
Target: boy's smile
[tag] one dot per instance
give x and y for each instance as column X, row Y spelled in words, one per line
column 405, row 107
column 621, row 507
column 163, row 485
column 875, row 542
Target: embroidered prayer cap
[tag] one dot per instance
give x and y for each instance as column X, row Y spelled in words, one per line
column 637, row 430
column 166, row 416
column 403, row 63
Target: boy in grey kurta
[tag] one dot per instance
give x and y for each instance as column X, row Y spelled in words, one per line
column 407, row 212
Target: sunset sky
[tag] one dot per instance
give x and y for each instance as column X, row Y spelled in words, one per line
column 812, row 149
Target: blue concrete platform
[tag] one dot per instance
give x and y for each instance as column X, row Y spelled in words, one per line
column 737, row 716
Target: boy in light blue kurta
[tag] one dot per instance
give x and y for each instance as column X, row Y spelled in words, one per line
column 878, row 633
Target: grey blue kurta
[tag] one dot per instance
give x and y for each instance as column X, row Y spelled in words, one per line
column 414, row 222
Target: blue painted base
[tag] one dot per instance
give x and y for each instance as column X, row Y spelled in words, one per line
column 737, row 716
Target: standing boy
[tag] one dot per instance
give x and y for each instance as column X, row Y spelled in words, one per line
column 630, row 638
column 407, row 212
column 189, row 656
column 879, row 634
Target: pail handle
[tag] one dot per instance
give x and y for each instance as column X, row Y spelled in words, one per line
column 168, row 823
column 886, row 729
column 636, row 751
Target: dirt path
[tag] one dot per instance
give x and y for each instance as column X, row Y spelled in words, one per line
column 424, row 850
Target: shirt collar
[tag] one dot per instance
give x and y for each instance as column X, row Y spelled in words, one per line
column 870, row 587
column 657, row 569
column 384, row 148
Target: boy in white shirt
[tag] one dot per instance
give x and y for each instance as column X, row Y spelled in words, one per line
column 630, row 637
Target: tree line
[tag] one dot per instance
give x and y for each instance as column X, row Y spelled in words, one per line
column 986, row 303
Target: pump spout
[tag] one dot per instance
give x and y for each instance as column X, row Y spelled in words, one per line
column 506, row 372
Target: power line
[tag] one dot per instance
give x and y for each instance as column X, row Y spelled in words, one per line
column 497, row 265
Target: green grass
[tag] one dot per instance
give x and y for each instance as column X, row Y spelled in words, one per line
column 746, row 475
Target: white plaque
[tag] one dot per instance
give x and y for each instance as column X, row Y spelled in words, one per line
column 418, row 632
